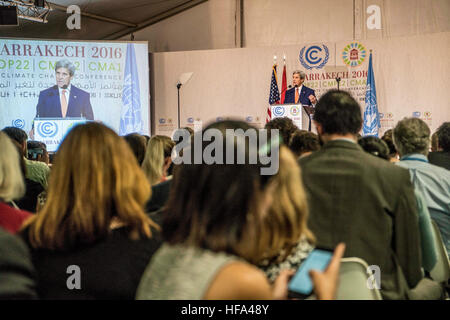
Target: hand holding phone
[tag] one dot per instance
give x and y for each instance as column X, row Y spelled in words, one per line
column 310, row 274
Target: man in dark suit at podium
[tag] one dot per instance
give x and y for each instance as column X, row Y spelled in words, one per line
column 64, row 100
column 300, row 93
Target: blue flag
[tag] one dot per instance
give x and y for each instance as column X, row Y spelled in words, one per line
column 371, row 122
column 130, row 115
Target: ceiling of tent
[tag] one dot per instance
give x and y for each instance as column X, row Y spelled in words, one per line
column 131, row 15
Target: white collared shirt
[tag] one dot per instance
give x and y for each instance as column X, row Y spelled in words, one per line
column 67, row 93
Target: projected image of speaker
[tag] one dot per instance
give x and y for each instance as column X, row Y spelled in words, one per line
column 8, row 16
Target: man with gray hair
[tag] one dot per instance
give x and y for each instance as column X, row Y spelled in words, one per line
column 64, row 99
column 412, row 140
column 300, row 93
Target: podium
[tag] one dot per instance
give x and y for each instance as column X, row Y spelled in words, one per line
column 52, row 131
column 300, row 114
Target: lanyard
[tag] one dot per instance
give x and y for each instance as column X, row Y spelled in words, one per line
column 414, row 159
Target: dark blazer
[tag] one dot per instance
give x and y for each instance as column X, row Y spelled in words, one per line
column 160, row 195
column 109, row 268
column 17, row 274
column 303, row 97
column 440, row 158
column 369, row 204
column 49, row 104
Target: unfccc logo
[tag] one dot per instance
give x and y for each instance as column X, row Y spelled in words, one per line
column 18, row 123
column 278, row 111
column 314, row 57
column 47, row 129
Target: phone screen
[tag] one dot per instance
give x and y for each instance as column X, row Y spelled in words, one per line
column 301, row 283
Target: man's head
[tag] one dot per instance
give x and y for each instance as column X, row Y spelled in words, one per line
column 443, row 134
column 37, row 151
column 18, row 136
column 298, row 77
column 337, row 113
column 411, row 135
column 285, row 125
column 303, row 143
column 64, row 71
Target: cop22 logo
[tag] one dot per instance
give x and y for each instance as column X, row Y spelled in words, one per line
column 18, row 123
column 295, row 111
column 278, row 111
column 47, row 129
column 315, row 56
column 354, row 54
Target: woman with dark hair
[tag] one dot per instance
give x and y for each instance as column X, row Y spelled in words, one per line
column 92, row 239
column 216, row 229
column 375, row 146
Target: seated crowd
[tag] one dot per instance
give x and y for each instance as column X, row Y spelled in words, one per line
column 121, row 220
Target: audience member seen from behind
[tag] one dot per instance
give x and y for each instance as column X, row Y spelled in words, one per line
column 12, row 186
column 303, row 143
column 17, row 275
column 362, row 200
column 291, row 241
column 36, row 170
column 37, row 151
column 285, row 125
column 158, row 159
column 94, row 219
column 215, row 230
column 441, row 155
column 412, row 139
column 33, row 190
column 387, row 138
column 375, row 146
column 378, row 148
column 138, row 144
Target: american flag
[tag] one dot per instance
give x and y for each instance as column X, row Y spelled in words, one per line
column 274, row 96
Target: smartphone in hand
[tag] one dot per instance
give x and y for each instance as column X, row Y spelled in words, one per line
column 301, row 286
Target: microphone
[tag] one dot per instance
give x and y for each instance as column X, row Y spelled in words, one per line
column 179, row 85
column 289, row 86
column 64, row 86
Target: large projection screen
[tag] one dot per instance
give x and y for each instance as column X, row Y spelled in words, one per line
column 110, row 84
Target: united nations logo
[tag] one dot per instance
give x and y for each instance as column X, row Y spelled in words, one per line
column 295, row 110
column 354, row 54
column 47, row 129
column 314, row 56
column 381, row 115
column 190, row 120
column 18, row 123
column 162, row 121
column 278, row 111
column 416, row 114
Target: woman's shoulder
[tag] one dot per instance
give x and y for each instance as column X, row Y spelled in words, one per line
column 239, row 280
